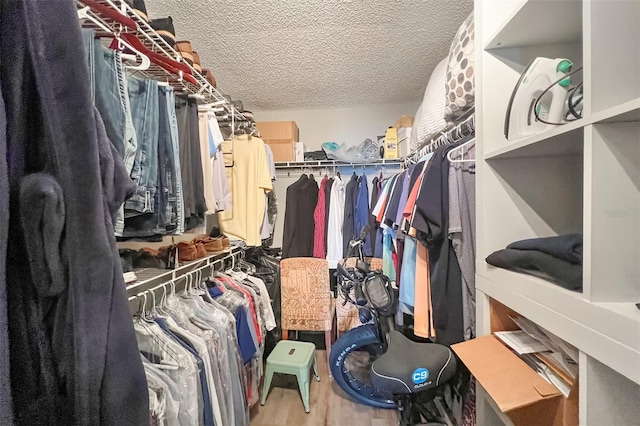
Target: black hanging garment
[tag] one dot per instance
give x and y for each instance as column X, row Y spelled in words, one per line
column 268, row 270
column 431, row 222
column 72, row 349
column 302, row 197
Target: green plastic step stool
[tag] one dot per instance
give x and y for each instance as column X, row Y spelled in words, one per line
column 291, row 357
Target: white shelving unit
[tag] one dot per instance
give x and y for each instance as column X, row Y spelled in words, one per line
column 580, row 177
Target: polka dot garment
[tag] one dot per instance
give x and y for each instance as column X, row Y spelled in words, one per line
column 460, row 72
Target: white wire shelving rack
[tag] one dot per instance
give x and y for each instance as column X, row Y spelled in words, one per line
column 156, row 44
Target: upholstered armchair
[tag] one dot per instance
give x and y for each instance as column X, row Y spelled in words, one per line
column 347, row 315
column 307, row 301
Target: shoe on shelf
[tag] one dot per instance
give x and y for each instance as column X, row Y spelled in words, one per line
column 139, row 8
column 126, row 259
column 168, row 255
column 211, row 245
column 165, row 29
column 185, row 50
column 200, row 249
column 206, row 73
column 216, row 233
column 196, row 61
column 187, row 252
column 226, row 243
column 148, row 258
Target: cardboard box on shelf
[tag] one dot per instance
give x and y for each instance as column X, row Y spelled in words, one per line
column 283, row 150
column 524, row 396
column 281, row 136
column 279, row 130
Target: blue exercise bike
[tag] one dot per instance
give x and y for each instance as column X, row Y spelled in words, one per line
column 375, row 363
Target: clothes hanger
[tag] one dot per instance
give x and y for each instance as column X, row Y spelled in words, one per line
column 164, row 349
column 163, row 299
column 174, row 67
column 111, row 13
column 143, row 314
column 187, row 282
column 191, row 278
column 459, row 150
column 153, row 311
column 145, row 62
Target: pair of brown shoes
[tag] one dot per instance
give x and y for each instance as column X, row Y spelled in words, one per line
column 182, row 252
column 188, row 251
column 214, row 244
column 193, row 58
column 199, row 248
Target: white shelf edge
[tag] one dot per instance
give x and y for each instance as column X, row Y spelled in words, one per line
column 608, row 115
column 519, row 144
column 535, row 299
column 605, row 116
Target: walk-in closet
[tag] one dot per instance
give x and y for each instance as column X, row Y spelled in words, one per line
column 339, row 213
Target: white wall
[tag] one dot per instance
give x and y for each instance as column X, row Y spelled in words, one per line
column 342, row 125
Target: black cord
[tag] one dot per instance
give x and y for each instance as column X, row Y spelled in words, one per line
column 535, row 107
column 572, row 105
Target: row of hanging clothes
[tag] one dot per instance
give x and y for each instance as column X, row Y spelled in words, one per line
column 339, row 206
column 170, row 143
column 202, row 348
column 426, row 215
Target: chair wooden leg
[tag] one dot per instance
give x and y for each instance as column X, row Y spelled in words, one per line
column 285, row 334
column 327, row 342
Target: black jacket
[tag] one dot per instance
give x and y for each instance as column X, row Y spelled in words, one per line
column 73, row 352
column 302, row 197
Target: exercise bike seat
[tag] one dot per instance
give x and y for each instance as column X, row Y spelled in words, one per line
column 411, row 367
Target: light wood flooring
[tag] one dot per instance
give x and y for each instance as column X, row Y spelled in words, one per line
column 329, row 404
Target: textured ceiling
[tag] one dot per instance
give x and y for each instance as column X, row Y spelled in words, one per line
column 293, row 54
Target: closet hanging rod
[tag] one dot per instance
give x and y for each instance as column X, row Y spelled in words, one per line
column 156, row 288
column 333, row 163
column 148, row 278
column 449, row 136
